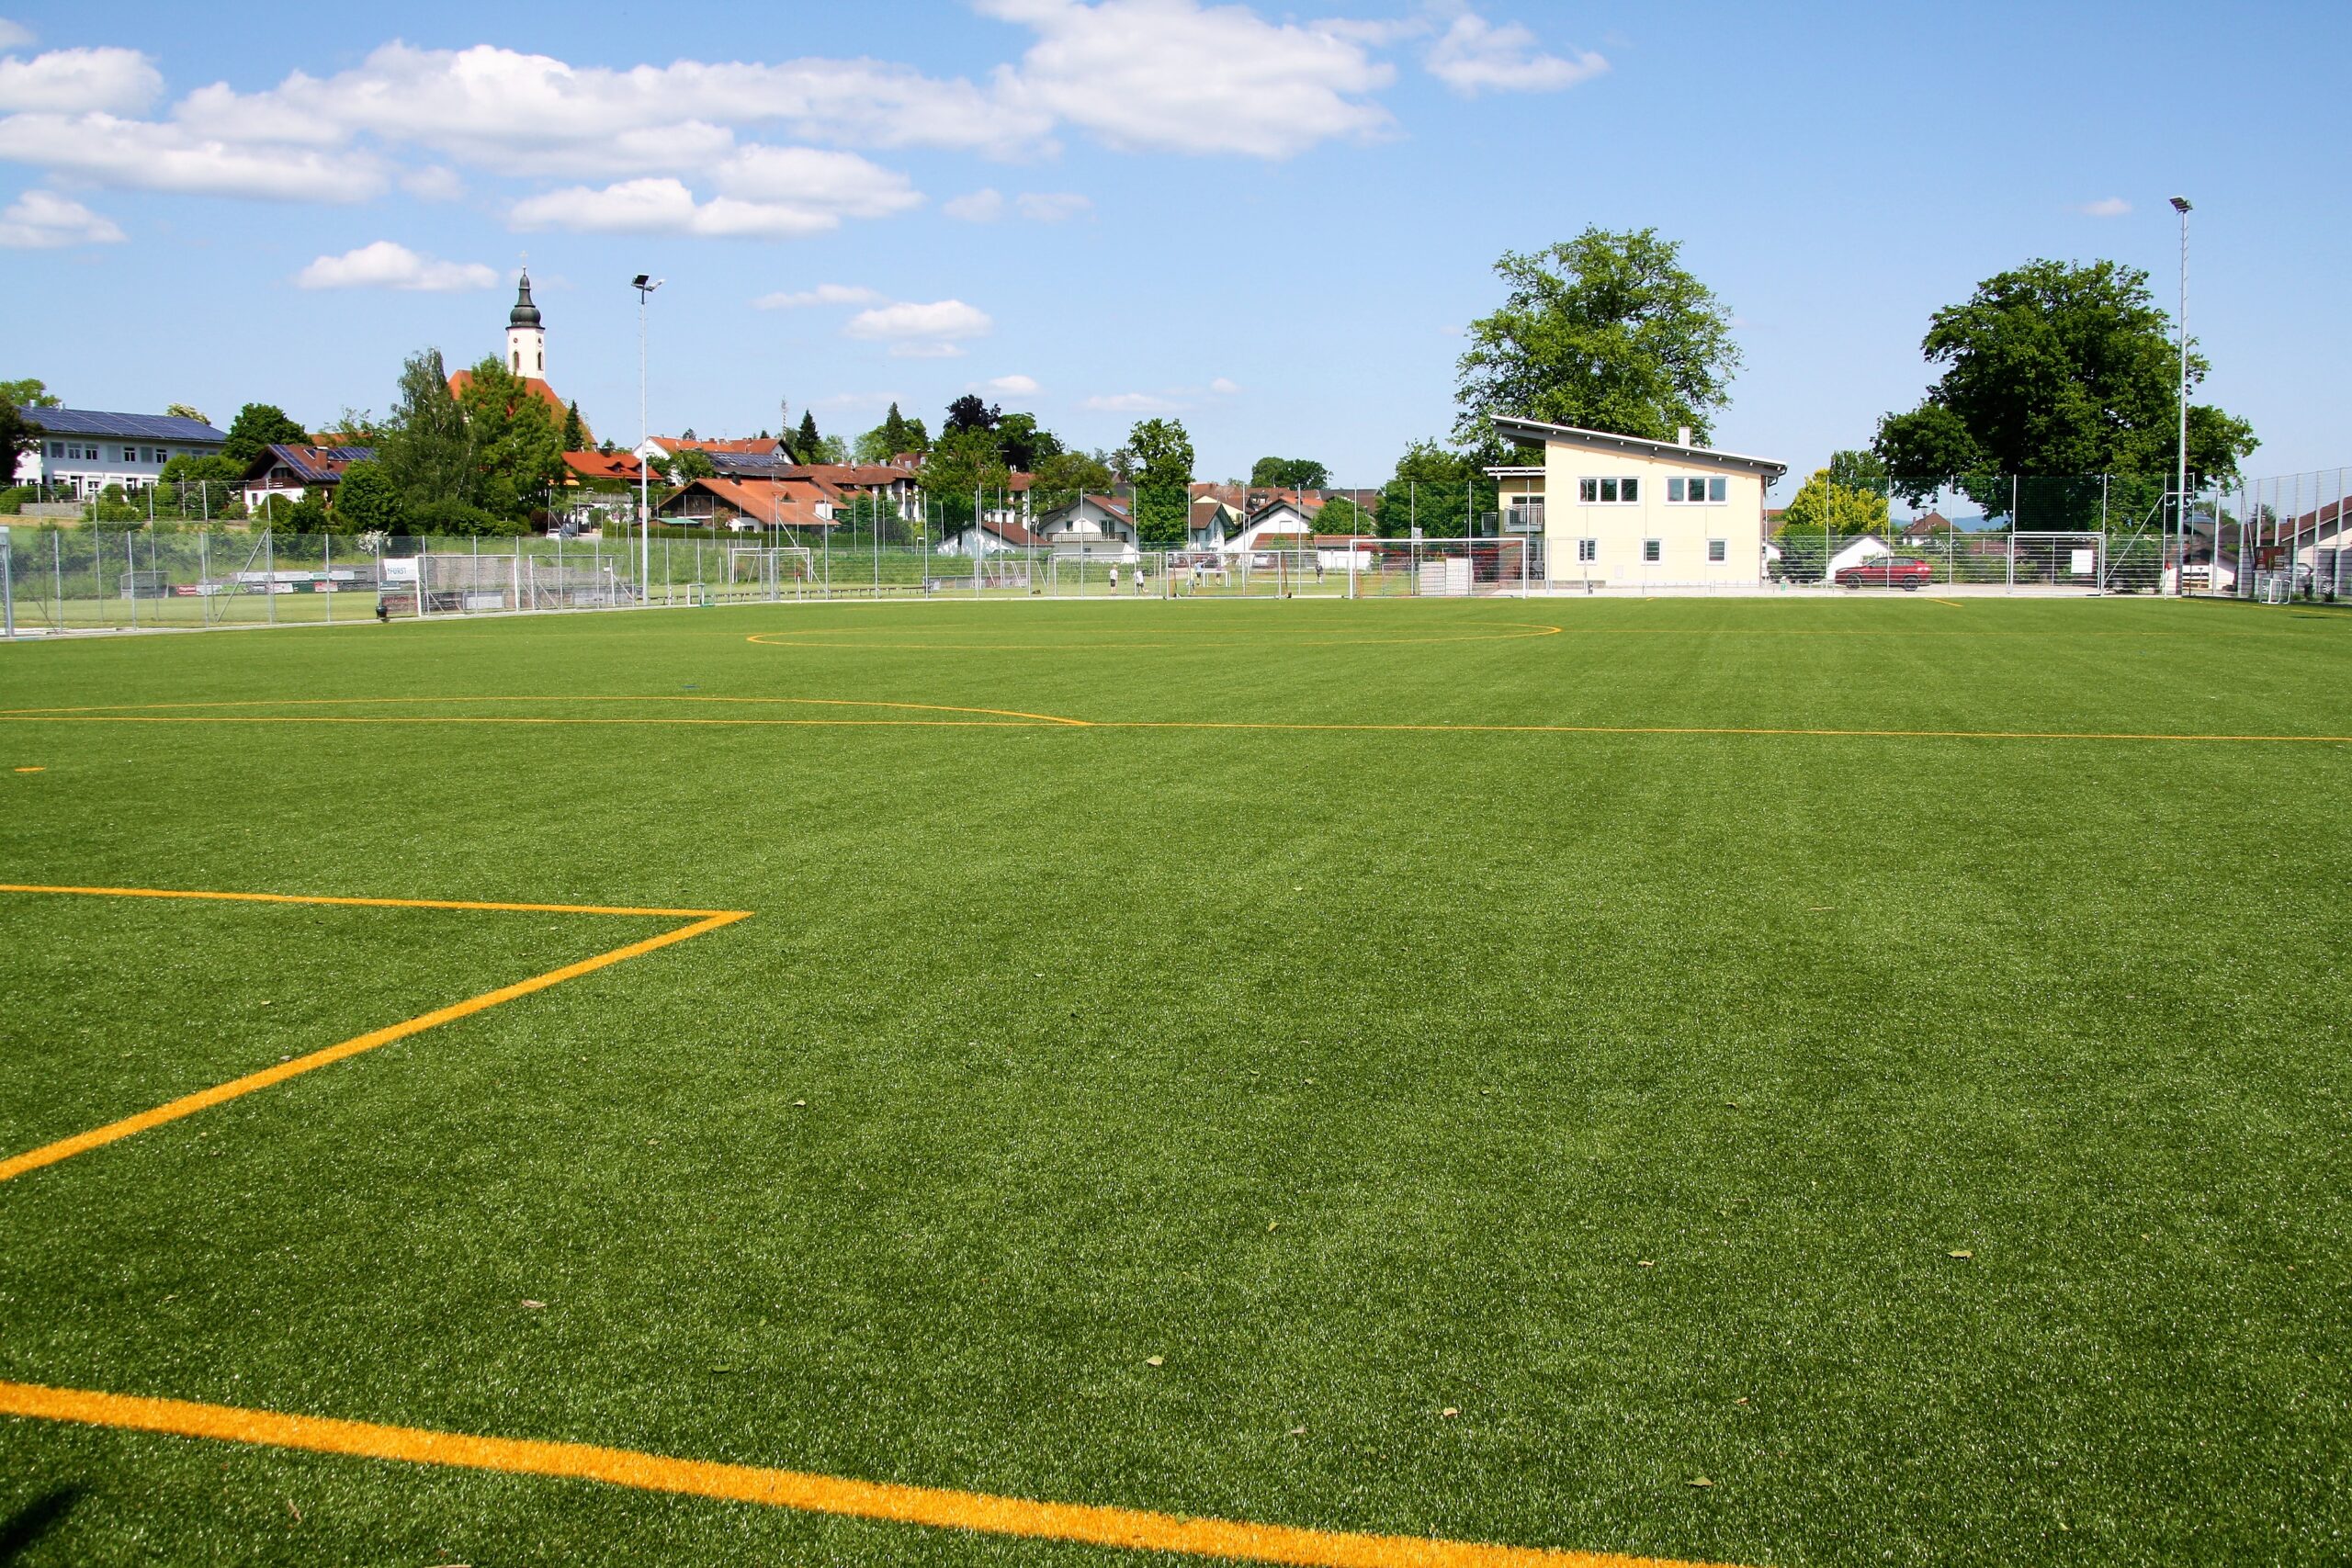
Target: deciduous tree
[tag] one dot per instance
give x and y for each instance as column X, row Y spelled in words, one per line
column 258, row 426
column 1289, row 473
column 1607, row 331
column 1163, row 480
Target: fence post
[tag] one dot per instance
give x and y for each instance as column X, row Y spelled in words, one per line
column 270, row 571
column 8, row 582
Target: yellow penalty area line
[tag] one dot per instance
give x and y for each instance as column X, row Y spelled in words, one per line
column 700, row 920
column 1132, row 1530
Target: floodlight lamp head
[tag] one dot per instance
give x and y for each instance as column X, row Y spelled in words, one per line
column 2180, row 204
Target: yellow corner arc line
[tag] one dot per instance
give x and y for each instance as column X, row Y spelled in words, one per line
column 138, row 710
column 1132, row 1530
column 205, row 1099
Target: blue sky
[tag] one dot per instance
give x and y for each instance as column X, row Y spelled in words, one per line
column 1270, row 224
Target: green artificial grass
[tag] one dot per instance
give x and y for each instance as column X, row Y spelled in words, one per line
column 1627, row 1093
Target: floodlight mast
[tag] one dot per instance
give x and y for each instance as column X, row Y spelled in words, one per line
column 645, row 284
column 2180, row 472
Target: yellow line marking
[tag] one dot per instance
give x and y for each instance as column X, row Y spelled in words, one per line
column 1015, row 719
column 1953, row 603
column 1132, row 1530
column 124, row 708
column 203, row 1100
column 1515, row 631
column 32, row 770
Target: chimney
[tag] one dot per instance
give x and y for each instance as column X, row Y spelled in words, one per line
column 1683, row 435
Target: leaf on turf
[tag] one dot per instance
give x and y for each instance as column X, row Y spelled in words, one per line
column 799, row 1103
column 1155, row 1361
column 1963, row 1254
column 1448, row 1414
column 1298, row 1431
column 1741, row 1400
column 1644, row 1263
column 1698, row 1481
column 534, row 1306
column 1271, row 1224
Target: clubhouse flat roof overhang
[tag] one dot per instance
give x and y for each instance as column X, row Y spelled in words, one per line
column 1535, row 432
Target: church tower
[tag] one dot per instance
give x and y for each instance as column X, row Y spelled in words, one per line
column 527, row 340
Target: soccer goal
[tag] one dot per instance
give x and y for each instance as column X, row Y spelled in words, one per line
column 769, row 571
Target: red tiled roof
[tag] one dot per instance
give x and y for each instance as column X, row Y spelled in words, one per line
column 595, row 464
column 751, row 447
column 460, row 379
column 762, row 501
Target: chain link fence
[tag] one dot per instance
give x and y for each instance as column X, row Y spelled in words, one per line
column 2273, row 538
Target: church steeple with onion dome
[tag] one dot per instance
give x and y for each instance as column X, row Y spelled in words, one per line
column 527, row 339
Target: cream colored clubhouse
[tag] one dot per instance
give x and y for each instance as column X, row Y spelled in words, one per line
column 1619, row 511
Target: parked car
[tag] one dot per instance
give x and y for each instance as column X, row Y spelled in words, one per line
column 1906, row 572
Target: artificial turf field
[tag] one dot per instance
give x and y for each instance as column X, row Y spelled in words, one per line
column 1393, row 1070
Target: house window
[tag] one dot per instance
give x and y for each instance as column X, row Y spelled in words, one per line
column 1588, row 549
column 57, row 448
column 1614, row 490
column 130, row 454
column 1649, row 550
column 1715, row 549
column 1694, row 491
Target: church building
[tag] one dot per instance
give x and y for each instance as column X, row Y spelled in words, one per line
column 526, row 357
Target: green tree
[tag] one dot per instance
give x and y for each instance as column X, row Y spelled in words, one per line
column 367, row 501
column 1340, row 515
column 1064, row 476
column 1289, row 473
column 804, row 444
column 1857, row 470
column 258, row 426
column 575, row 434
column 427, row 448
column 29, row 393
column 967, row 413
column 1437, row 491
column 958, row 465
column 1844, row 508
column 18, row 435
column 2061, row 369
column 1163, row 480
column 188, row 411
column 518, row 446
column 1607, row 330
column 829, row 449
column 1024, row 442
column 690, row 463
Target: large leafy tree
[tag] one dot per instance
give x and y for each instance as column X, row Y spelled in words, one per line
column 1340, row 515
column 967, row 413
column 2055, row 368
column 1437, row 491
column 427, row 447
column 18, row 435
column 517, row 443
column 1063, row 477
column 1607, row 331
column 367, row 501
column 959, row 467
column 1024, row 442
column 258, row 426
column 29, row 393
column 1289, row 473
column 1163, row 480
column 1843, row 508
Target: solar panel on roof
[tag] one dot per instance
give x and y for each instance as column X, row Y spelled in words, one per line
column 136, row 426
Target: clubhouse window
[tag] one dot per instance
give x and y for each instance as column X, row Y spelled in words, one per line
column 1716, row 550
column 1649, row 550
column 1694, row 491
column 1588, row 549
column 1616, row 489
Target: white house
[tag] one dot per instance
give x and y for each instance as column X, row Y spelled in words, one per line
column 1621, row 510
column 1099, row 525
column 1859, row 548
column 993, row 536
column 87, row 451
column 1277, row 525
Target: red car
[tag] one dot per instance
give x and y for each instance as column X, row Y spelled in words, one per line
column 1906, row 572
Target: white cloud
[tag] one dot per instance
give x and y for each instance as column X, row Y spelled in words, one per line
column 823, row 294
column 386, row 264
column 1225, row 387
column 2106, row 207
column 806, row 177
column 1130, row 402
column 79, row 81
column 983, row 206
column 1475, row 56
column 14, row 35
column 44, row 221
column 941, row 320
column 434, row 183
column 1052, row 207
column 533, row 113
column 1174, row 76
column 1010, row 386
column 666, row 206
column 131, row 154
